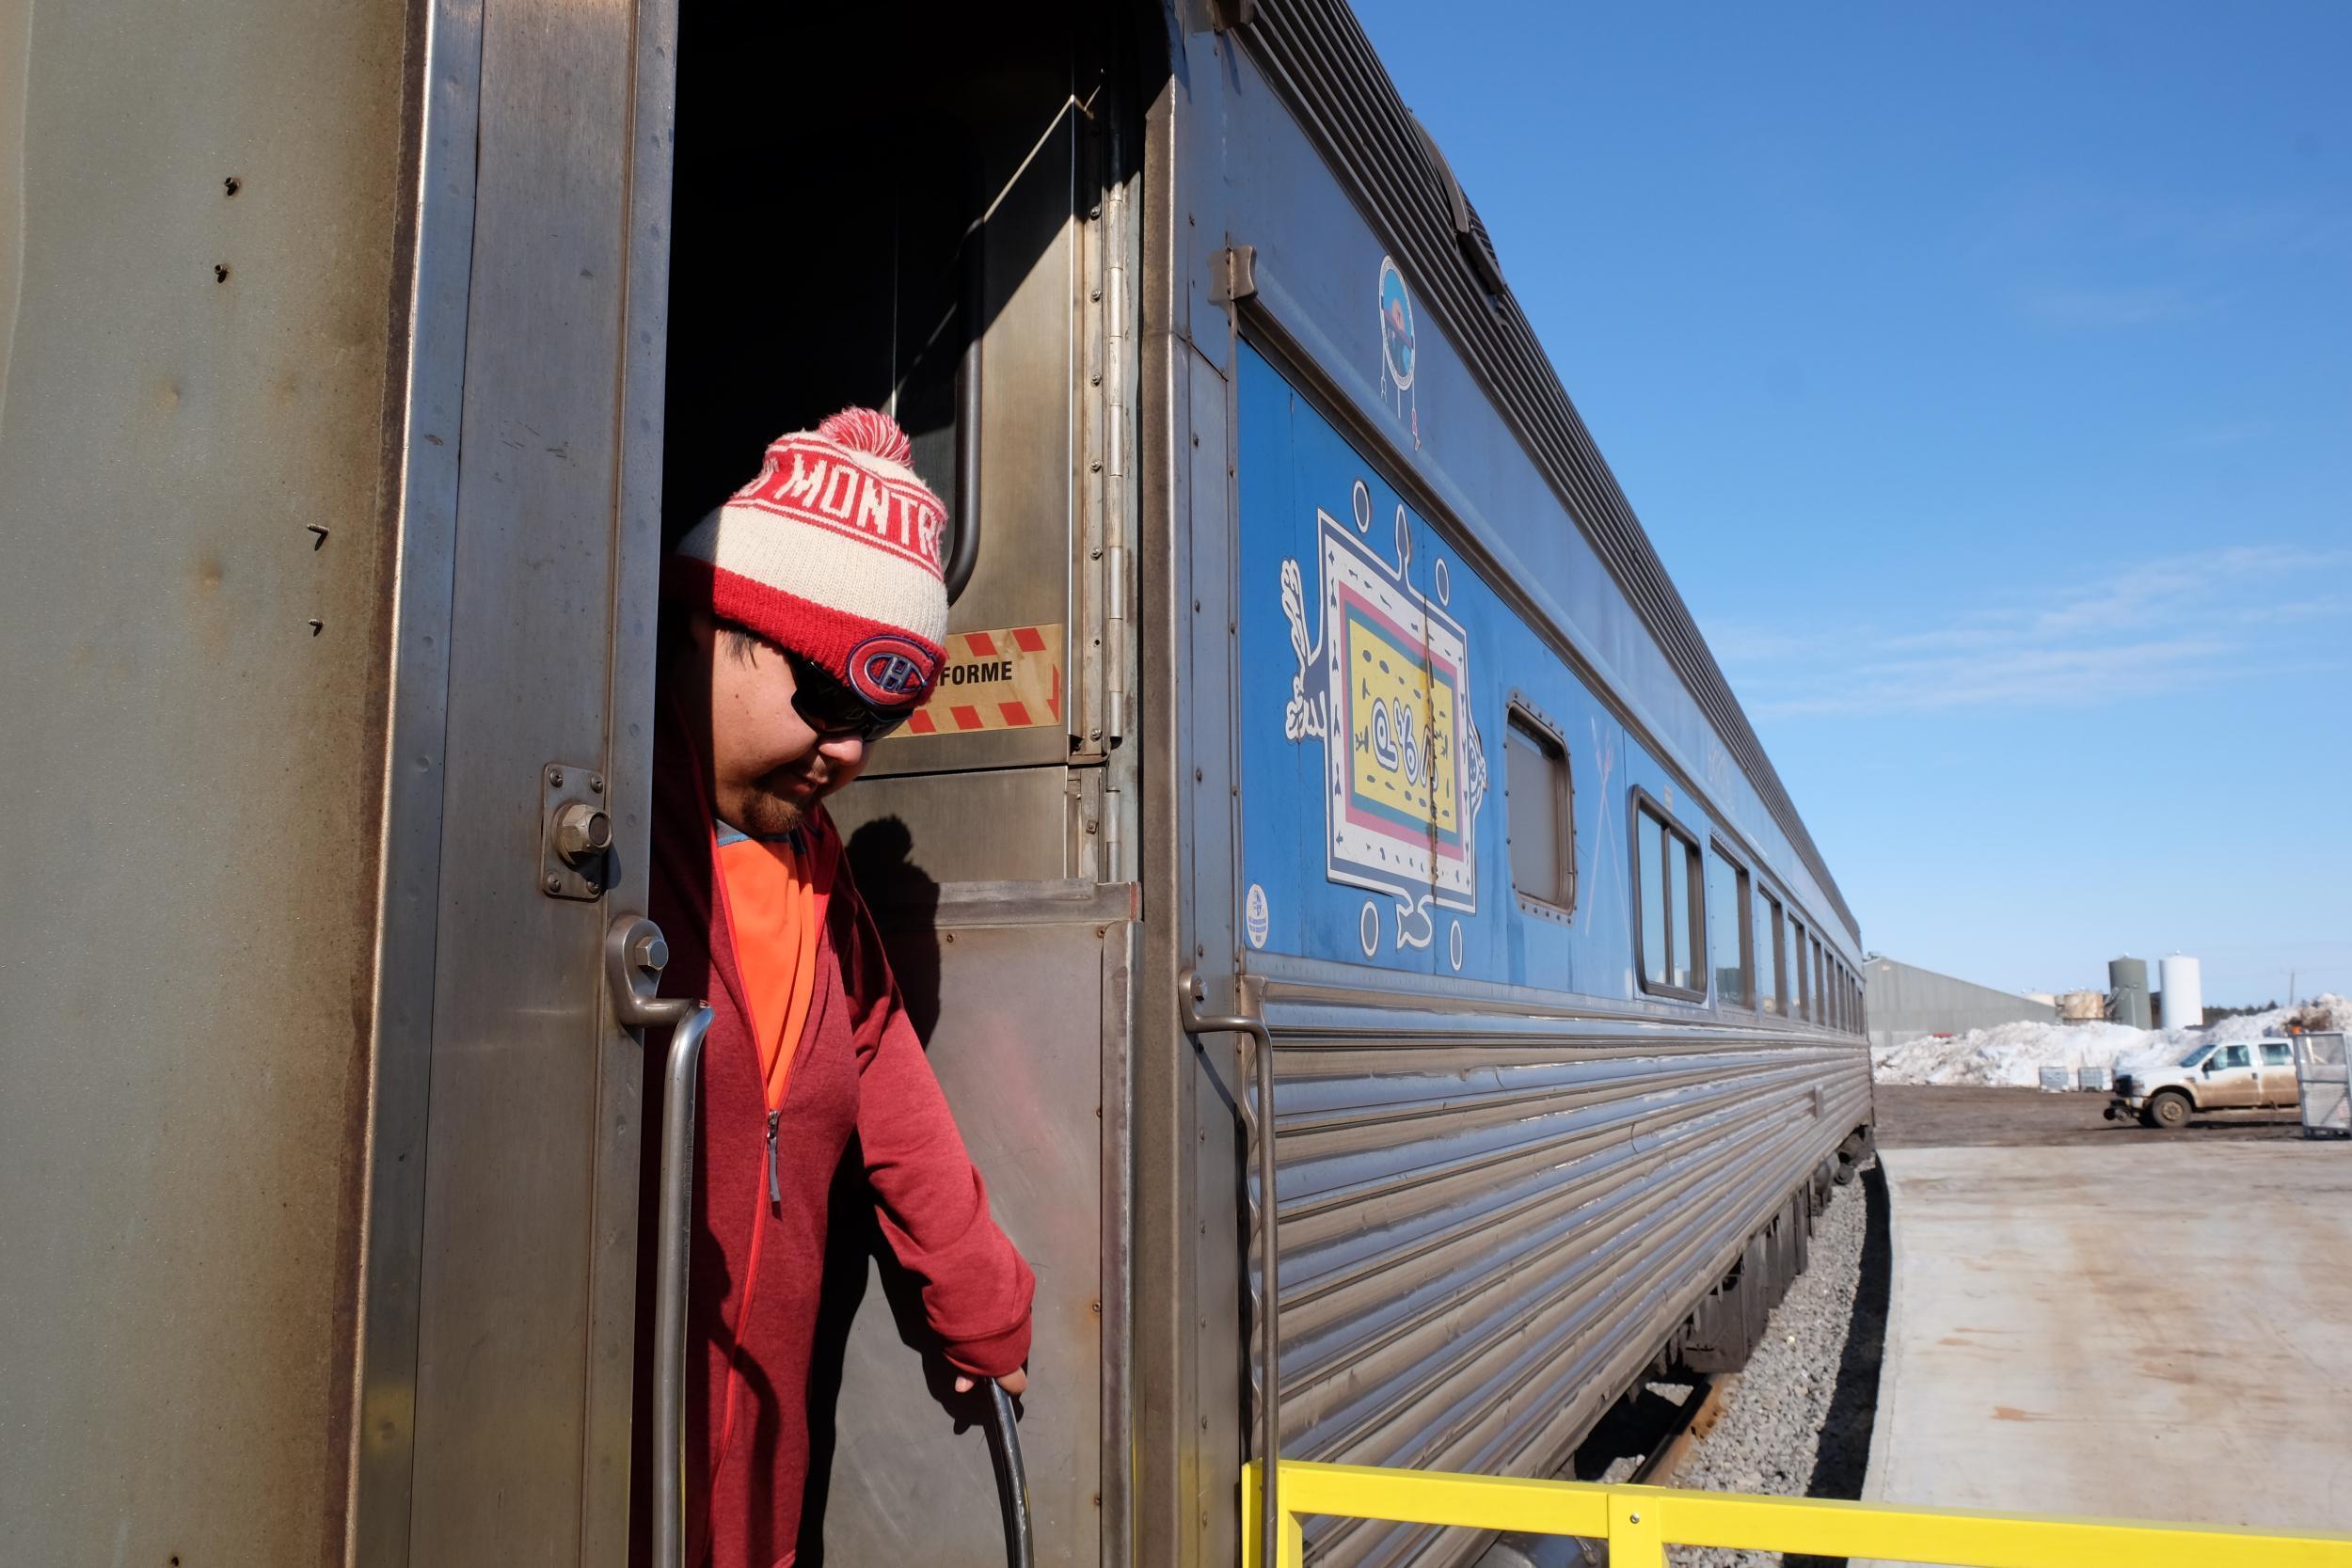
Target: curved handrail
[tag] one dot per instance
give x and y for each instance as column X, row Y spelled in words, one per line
column 1012, row 1477
column 673, row 1254
column 1188, row 996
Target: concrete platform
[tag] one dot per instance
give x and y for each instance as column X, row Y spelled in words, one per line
column 2161, row 1331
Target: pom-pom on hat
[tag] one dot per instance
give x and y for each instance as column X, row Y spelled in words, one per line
column 833, row 552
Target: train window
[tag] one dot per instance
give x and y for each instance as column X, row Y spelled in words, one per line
column 1770, row 980
column 1821, row 984
column 1540, row 820
column 1670, row 902
column 1728, row 930
column 1800, row 994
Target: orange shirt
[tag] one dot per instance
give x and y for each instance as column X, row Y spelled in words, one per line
column 776, row 903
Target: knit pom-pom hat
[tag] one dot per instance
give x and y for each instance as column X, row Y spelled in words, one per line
column 833, row 552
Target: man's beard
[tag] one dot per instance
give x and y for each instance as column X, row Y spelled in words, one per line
column 774, row 811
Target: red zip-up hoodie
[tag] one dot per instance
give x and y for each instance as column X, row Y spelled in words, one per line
column 757, row 1262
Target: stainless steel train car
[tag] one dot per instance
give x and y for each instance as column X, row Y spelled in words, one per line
column 1392, row 997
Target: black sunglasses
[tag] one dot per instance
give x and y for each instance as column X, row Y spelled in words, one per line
column 829, row 706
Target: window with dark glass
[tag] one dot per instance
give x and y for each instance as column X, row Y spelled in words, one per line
column 1670, row 893
column 1540, row 814
column 1727, row 931
column 1800, row 994
column 1769, row 987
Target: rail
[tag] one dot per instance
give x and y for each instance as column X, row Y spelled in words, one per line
column 1188, row 999
column 1640, row 1522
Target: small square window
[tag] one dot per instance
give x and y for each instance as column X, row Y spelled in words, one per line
column 1540, row 820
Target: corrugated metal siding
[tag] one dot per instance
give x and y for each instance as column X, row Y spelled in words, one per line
column 1485, row 1235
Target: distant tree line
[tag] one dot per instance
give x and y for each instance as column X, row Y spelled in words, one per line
column 2215, row 1015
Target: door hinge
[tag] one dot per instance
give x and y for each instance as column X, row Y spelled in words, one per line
column 1241, row 273
column 1114, row 643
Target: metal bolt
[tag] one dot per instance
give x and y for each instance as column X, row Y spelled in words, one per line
column 555, row 778
column 581, row 832
column 553, row 883
column 650, row 951
column 1632, row 1518
column 595, row 784
column 591, row 884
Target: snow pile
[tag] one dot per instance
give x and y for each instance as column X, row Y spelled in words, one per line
column 2015, row 1054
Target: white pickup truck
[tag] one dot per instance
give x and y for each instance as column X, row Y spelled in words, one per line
column 2238, row 1075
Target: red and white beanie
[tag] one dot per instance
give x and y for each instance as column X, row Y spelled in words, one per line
column 833, row 552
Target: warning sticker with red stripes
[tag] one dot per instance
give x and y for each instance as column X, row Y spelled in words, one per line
column 996, row 680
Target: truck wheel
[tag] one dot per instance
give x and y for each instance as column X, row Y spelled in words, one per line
column 2167, row 1109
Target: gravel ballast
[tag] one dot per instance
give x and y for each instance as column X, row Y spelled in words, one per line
column 1797, row 1421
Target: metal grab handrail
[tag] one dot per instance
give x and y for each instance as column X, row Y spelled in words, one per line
column 1012, row 1477
column 1188, row 995
column 1640, row 1522
column 635, row 955
column 672, row 1260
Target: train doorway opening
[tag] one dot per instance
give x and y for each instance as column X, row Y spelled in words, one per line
column 922, row 217
column 854, row 206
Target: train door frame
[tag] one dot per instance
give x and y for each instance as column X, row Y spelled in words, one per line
column 525, row 427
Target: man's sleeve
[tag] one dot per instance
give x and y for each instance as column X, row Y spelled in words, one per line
column 933, row 1207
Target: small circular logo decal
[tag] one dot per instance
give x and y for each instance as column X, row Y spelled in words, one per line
column 1396, row 324
column 1255, row 916
column 891, row 671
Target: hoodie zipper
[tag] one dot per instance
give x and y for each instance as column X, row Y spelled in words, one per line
column 775, row 1186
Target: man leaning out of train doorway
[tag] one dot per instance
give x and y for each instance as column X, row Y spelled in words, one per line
column 803, row 621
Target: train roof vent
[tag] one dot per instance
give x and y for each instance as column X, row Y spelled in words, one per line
column 1469, row 229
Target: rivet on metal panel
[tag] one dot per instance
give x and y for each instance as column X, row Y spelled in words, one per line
column 553, row 884
column 595, row 784
column 951, row 936
column 555, row 778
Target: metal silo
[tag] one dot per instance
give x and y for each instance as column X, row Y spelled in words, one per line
column 2127, row 992
column 2184, row 992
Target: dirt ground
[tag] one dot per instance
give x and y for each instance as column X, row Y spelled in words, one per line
column 1915, row 1116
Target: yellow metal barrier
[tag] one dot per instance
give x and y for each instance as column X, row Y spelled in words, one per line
column 1639, row 1522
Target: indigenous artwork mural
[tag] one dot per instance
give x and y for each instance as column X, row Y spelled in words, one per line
column 1377, row 670
column 1382, row 683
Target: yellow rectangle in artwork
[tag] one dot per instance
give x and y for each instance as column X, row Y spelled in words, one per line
column 1401, row 722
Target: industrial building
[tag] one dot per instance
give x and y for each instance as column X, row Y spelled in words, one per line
column 1905, row 1002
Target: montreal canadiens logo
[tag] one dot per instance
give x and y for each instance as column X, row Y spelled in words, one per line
column 891, row 671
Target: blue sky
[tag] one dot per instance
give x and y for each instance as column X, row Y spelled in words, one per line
column 1984, row 375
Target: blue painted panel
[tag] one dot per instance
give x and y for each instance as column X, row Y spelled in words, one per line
column 1377, row 672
